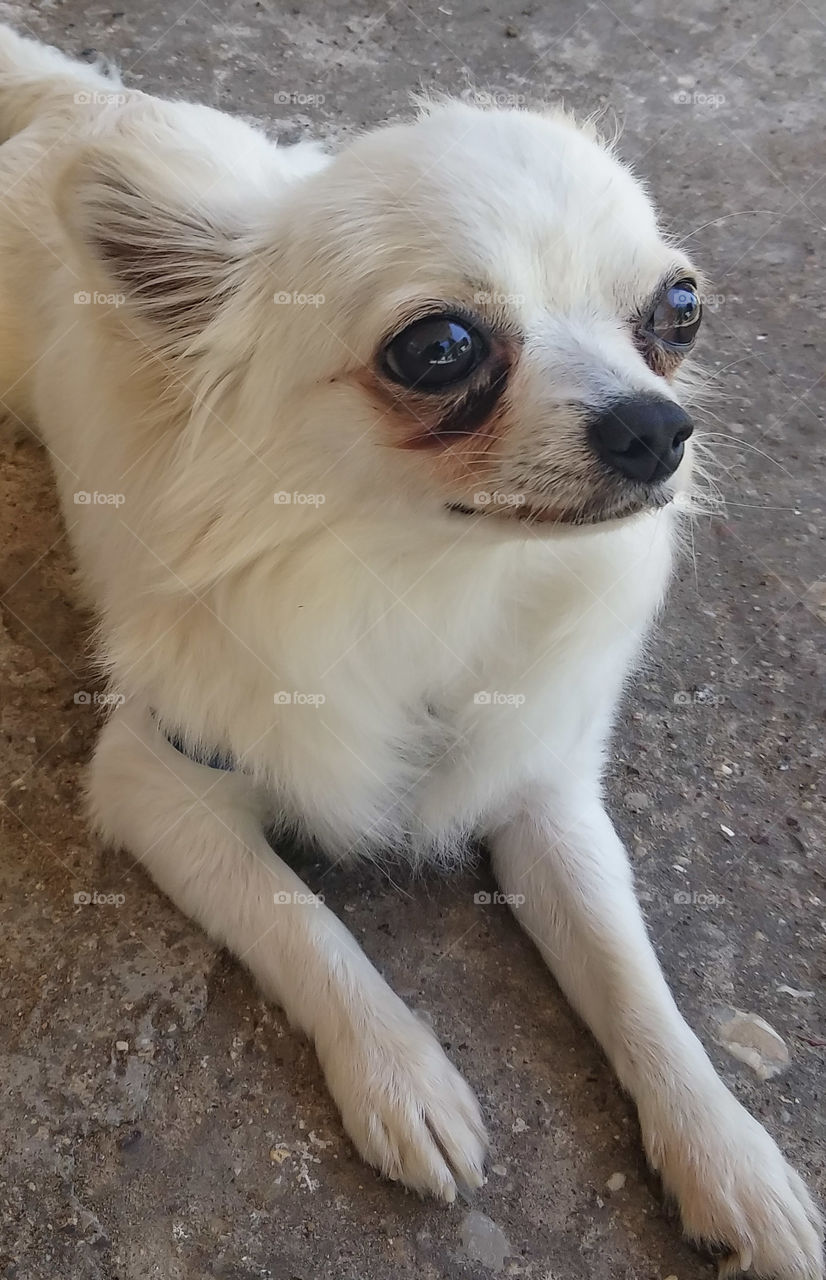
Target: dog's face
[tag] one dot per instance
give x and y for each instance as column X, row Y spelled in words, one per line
column 484, row 318
column 502, row 321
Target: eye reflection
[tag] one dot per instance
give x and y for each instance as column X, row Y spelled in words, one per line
column 434, row 353
column 677, row 315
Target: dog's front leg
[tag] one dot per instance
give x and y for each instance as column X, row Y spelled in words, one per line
column 571, row 881
column 199, row 834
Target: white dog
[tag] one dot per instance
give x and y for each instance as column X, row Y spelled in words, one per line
column 369, row 464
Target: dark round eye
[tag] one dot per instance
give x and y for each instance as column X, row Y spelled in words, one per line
column 676, row 317
column 434, row 353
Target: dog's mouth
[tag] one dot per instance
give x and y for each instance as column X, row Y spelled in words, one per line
column 597, row 511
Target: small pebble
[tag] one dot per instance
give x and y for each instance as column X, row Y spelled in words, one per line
column 616, row 1182
column 750, row 1039
column 483, row 1241
column 122, row 1045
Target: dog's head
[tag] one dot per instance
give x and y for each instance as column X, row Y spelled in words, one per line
column 472, row 313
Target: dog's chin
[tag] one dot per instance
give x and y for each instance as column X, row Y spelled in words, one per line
column 545, row 516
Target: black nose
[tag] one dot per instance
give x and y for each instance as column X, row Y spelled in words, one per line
column 642, row 437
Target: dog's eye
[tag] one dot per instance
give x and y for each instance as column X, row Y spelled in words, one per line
column 434, row 353
column 677, row 315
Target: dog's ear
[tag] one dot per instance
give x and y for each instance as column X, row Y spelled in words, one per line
column 169, row 255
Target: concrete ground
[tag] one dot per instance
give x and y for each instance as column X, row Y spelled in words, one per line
column 158, row 1119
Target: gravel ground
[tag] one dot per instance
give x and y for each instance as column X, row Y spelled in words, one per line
column 158, row 1119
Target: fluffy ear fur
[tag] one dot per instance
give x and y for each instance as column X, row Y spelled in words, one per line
column 174, row 257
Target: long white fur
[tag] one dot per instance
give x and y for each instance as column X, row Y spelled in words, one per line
column 196, row 397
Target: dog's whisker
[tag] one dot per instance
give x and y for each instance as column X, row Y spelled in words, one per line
column 735, row 442
column 725, row 217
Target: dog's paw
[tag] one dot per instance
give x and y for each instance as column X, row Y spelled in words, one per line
column 736, row 1193
column 406, row 1108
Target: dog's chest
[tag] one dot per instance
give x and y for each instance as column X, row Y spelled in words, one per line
column 516, row 675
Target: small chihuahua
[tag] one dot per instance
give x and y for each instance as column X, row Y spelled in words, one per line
column 373, row 466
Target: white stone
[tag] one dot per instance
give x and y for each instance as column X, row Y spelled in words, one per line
column 750, row 1039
